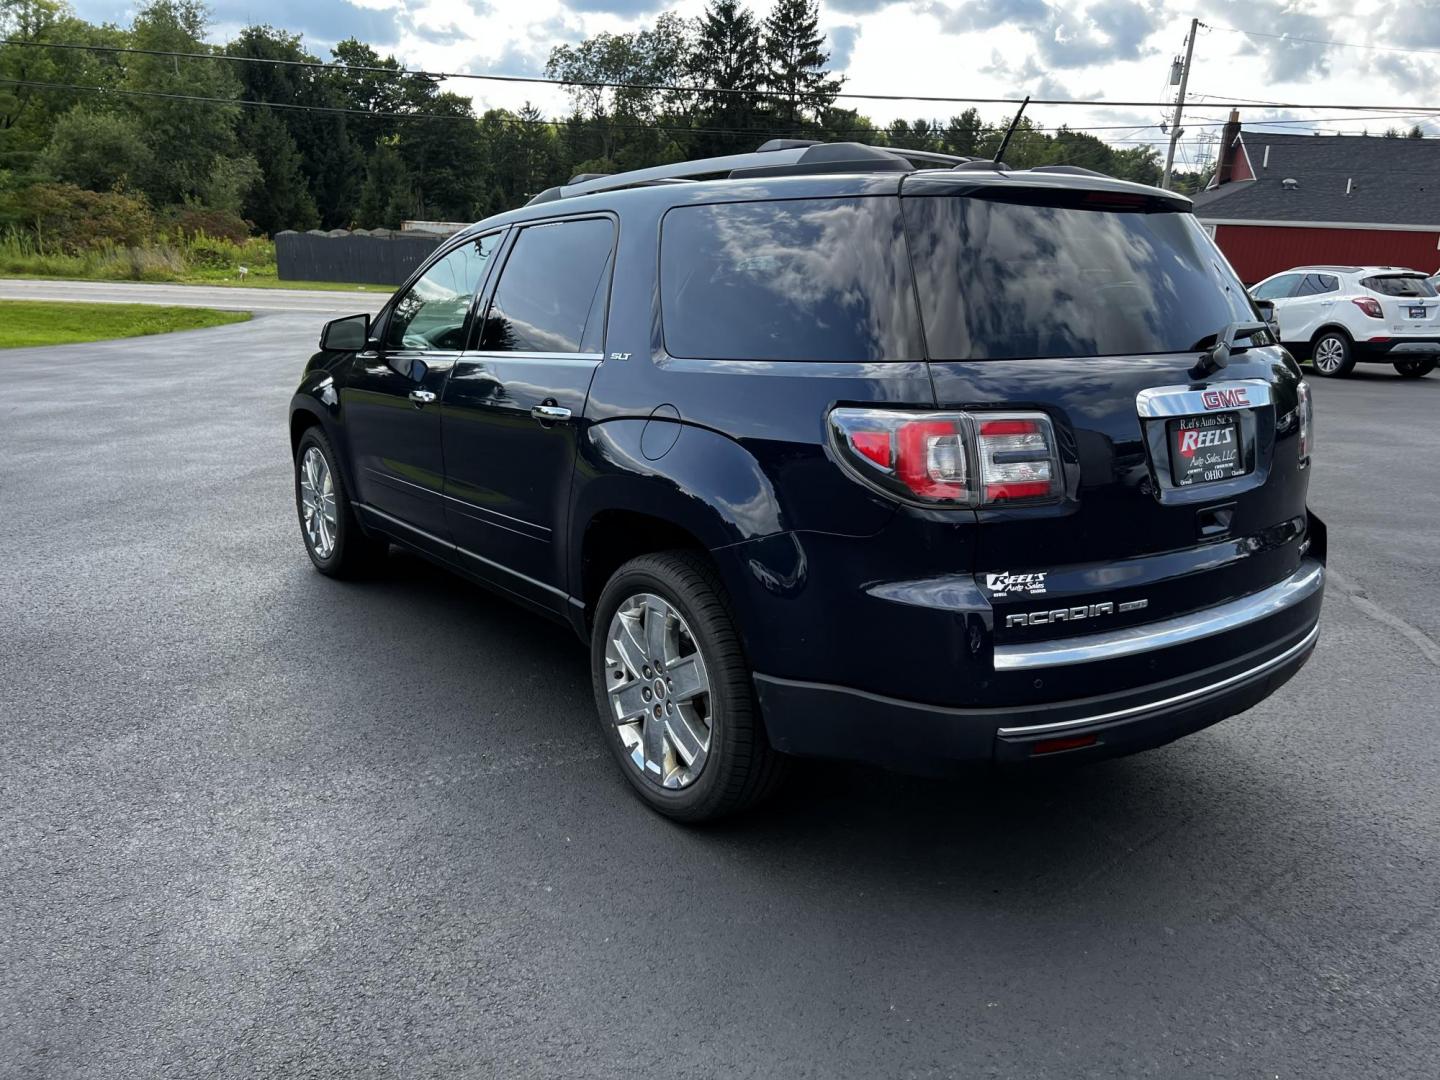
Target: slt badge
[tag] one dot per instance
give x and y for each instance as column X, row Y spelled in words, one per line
column 1007, row 584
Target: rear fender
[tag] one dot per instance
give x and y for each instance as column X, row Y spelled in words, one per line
column 705, row 483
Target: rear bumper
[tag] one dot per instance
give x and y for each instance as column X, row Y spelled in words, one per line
column 1397, row 346
column 827, row 720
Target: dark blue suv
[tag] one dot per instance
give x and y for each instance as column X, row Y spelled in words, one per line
column 829, row 450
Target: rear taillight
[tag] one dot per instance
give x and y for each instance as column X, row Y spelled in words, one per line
column 1370, row 306
column 1307, row 422
column 951, row 458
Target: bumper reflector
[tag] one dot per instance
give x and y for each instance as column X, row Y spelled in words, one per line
column 1064, row 742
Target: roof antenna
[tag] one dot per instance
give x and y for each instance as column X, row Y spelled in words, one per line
column 1005, row 142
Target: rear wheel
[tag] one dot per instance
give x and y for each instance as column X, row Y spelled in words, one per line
column 1415, row 368
column 674, row 693
column 1332, row 354
column 333, row 537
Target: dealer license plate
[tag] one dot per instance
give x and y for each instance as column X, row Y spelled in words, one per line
column 1204, row 449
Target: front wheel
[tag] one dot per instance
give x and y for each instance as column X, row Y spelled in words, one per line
column 674, row 693
column 1333, row 355
column 333, row 537
column 1414, row 368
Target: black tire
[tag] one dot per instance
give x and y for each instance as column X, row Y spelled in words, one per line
column 1416, row 367
column 740, row 768
column 1332, row 354
column 354, row 552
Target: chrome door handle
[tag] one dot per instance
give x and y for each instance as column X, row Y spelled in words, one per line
column 548, row 413
column 422, row 397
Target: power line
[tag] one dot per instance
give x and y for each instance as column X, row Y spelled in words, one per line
column 397, row 72
column 469, row 118
column 761, row 132
column 1322, row 41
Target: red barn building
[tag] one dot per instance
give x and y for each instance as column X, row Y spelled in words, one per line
column 1278, row 201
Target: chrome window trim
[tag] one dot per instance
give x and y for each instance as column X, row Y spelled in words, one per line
column 1167, row 401
column 573, row 358
column 1178, row 699
column 1167, row 633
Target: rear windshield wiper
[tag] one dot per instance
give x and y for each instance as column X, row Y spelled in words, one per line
column 1218, row 356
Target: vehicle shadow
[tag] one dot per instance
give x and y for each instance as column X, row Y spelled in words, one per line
column 1041, row 840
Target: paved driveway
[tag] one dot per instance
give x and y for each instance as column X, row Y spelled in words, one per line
column 257, row 823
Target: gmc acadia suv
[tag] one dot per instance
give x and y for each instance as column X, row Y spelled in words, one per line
column 828, row 450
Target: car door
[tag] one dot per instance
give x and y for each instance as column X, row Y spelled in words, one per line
column 513, row 405
column 1310, row 307
column 1280, row 290
column 390, row 397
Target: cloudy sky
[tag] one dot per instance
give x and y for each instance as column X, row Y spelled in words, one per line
column 1120, row 50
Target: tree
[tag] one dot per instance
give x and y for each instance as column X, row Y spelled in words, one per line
column 386, row 198
column 728, row 64
column 441, row 150
column 329, row 160
column 28, row 112
column 192, row 146
column 619, row 117
column 1416, row 132
column 962, row 134
column 95, row 149
column 282, row 199
column 795, row 64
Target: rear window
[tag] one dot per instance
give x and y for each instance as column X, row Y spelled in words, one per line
column 1399, row 285
column 811, row 279
column 1002, row 280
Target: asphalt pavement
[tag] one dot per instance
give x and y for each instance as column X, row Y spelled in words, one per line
column 225, row 297
column 257, row 823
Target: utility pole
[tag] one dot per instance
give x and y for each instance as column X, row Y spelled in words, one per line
column 1179, row 104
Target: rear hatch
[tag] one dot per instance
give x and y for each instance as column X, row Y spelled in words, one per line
column 1408, row 302
column 1183, row 487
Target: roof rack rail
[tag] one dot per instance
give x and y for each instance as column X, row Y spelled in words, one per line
column 777, row 157
column 1071, row 170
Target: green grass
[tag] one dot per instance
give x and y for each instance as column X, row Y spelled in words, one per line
column 27, row 322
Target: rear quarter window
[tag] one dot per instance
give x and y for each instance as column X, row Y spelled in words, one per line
column 804, row 279
column 1003, row 280
column 1399, row 285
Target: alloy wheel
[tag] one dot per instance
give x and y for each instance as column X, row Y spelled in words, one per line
column 659, row 691
column 1329, row 355
column 317, row 501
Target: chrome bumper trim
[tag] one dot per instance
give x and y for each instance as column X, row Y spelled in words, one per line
column 1178, row 699
column 1300, row 586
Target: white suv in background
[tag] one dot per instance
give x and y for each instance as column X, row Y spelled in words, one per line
column 1337, row 315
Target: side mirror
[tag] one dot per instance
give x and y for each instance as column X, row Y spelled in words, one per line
column 1272, row 320
column 349, row 334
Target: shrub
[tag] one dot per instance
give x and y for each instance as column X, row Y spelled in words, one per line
column 69, row 219
column 192, row 221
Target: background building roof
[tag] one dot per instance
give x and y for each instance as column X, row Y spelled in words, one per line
column 1392, row 181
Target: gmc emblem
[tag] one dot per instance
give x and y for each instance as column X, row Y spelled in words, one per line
column 1226, row 399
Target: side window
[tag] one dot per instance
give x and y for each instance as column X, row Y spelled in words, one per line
column 432, row 314
column 553, row 288
column 1315, row 284
column 1277, row 288
column 808, row 279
